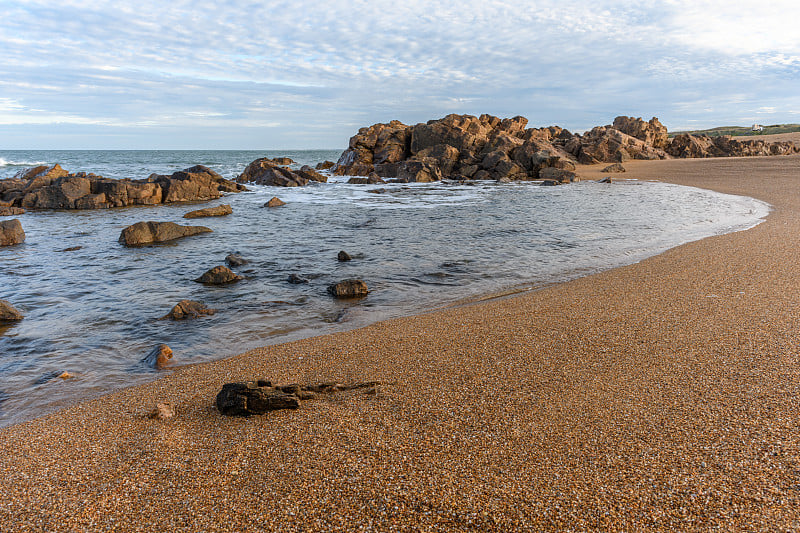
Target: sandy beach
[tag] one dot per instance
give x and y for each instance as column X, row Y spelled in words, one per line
column 658, row 396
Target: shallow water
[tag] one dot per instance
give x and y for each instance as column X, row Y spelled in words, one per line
column 93, row 312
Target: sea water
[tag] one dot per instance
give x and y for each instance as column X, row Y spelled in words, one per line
column 92, row 306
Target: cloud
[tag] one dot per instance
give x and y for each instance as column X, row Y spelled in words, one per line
column 304, row 66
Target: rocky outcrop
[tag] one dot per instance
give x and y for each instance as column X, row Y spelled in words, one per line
column 159, row 357
column 218, row 211
column 6, row 211
column 188, row 309
column 11, row 232
column 266, row 171
column 8, row 313
column 219, row 275
column 465, row 147
column 261, row 396
column 54, row 188
column 349, row 288
column 154, row 232
column 325, row 165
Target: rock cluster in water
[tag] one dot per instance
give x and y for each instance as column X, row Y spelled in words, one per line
column 266, row 171
column 486, row 147
column 53, row 187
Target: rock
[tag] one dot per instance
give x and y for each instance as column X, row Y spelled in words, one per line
column 55, row 188
column 653, row 133
column 344, row 256
column 235, row 260
column 607, row 179
column 245, row 399
column 218, row 211
column 71, row 249
column 296, row 280
column 349, row 288
column 155, row 232
column 159, row 357
column 11, row 232
column 65, row 375
column 557, row 174
column 162, row 411
column 371, row 179
column 274, row 202
column 266, row 171
column 325, row 165
column 283, row 161
column 188, row 309
column 8, row 313
column 377, row 191
column 219, row 275
column 616, row 167
column 6, row 211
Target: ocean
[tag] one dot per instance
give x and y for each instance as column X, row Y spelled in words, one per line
column 94, row 311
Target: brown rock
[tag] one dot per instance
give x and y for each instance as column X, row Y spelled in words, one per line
column 653, row 133
column 159, row 357
column 218, row 211
column 274, row 202
column 11, row 232
column 235, row 260
column 283, row 161
column 344, row 256
column 266, row 171
column 616, row 167
column 8, row 313
column 245, row 399
column 154, row 232
column 6, row 211
column 325, row 165
column 219, row 275
column 188, row 309
column 349, row 288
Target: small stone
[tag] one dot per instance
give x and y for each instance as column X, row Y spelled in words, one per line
column 344, row 256
column 11, row 232
column 296, row 280
column 162, row 411
column 188, row 309
column 71, row 249
column 274, row 202
column 245, row 399
column 218, row 211
column 616, row 167
column 65, row 375
column 219, row 275
column 159, row 357
column 349, row 288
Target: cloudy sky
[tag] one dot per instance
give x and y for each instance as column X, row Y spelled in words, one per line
column 228, row 74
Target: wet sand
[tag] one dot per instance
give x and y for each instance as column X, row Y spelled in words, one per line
column 659, row 396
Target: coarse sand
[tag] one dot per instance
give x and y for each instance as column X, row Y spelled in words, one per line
column 658, row 396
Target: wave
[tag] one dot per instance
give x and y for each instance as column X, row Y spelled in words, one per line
column 7, row 163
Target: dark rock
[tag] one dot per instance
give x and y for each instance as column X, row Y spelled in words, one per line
column 274, row 202
column 607, row 179
column 377, row 191
column 8, row 313
column 245, row 399
column 550, row 183
column 71, row 249
column 155, row 232
column 557, row 174
column 344, row 256
column 188, row 309
column 325, row 165
column 349, row 288
column 11, row 232
column 219, row 275
column 266, row 171
column 283, row 161
column 616, row 167
column 218, row 211
column 159, row 357
column 6, row 211
column 295, row 279
column 235, row 260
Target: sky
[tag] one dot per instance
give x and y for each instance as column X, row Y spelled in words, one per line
column 262, row 75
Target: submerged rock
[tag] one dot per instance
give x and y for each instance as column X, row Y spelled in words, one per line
column 188, row 309
column 235, row 260
column 343, row 256
column 155, row 232
column 274, row 202
column 218, row 211
column 11, row 232
column 349, row 288
column 219, row 275
column 159, row 357
column 296, row 280
column 8, row 313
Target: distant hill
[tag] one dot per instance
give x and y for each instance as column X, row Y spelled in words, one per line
column 735, row 131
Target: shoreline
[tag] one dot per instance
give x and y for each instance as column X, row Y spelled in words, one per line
column 655, row 395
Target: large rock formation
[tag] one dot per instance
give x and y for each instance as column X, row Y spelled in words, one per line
column 11, row 232
column 54, row 188
column 266, row 171
column 487, row 147
column 155, row 232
